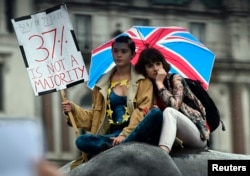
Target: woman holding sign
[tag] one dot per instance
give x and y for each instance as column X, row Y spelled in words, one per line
column 120, row 99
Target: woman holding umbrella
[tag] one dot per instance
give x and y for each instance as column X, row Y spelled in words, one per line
column 119, row 100
column 179, row 119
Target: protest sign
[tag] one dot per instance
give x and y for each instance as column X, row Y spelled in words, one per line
column 50, row 50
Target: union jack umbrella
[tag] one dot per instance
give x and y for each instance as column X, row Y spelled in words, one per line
column 186, row 54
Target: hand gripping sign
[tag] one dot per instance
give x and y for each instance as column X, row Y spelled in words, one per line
column 50, row 51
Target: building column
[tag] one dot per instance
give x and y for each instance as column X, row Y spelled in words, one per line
column 237, row 119
column 48, row 121
column 24, row 7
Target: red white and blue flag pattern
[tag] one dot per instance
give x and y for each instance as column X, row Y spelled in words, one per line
column 186, row 54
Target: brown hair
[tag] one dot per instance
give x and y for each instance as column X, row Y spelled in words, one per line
column 150, row 55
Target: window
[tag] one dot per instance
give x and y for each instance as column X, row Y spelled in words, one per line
column 170, row 2
column 83, row 31
column 140, row 22
column 9, row 14
column 1, row 87
column 118, row 30
column 198, row 30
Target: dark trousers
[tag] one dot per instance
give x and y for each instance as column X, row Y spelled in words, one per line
column 148, row 131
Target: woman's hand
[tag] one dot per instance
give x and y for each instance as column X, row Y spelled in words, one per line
column 117, row 140
column 67, row 106
column 45, row 168
column 161, row 76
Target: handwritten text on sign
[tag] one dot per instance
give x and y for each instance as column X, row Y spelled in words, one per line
column 49, row 49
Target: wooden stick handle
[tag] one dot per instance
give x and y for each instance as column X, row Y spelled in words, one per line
column 72, row 120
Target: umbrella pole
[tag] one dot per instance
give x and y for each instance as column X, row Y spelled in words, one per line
column 72, row 120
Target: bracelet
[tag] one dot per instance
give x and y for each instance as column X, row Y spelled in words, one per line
column 161, row 90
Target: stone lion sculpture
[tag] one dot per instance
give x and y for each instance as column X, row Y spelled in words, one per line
column 139, row 159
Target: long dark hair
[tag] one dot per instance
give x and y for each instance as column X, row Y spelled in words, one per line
column 148, row 56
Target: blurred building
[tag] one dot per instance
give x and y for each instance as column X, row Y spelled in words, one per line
column 222, row 25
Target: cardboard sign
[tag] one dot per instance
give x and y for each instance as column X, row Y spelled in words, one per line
column 50, row 50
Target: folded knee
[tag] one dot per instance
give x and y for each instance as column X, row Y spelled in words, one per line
column 169, row 112
column 156, row 111
column 79, row 142
column 156, row 114
column 83, row 141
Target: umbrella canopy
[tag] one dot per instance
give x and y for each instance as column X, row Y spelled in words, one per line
column 186, row 54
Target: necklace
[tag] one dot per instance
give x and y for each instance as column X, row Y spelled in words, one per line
column 109, row 111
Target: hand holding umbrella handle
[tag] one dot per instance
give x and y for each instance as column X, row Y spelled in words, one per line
column 72, row 120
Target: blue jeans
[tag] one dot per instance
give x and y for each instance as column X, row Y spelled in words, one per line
column 148, row 131
column 94, row 144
